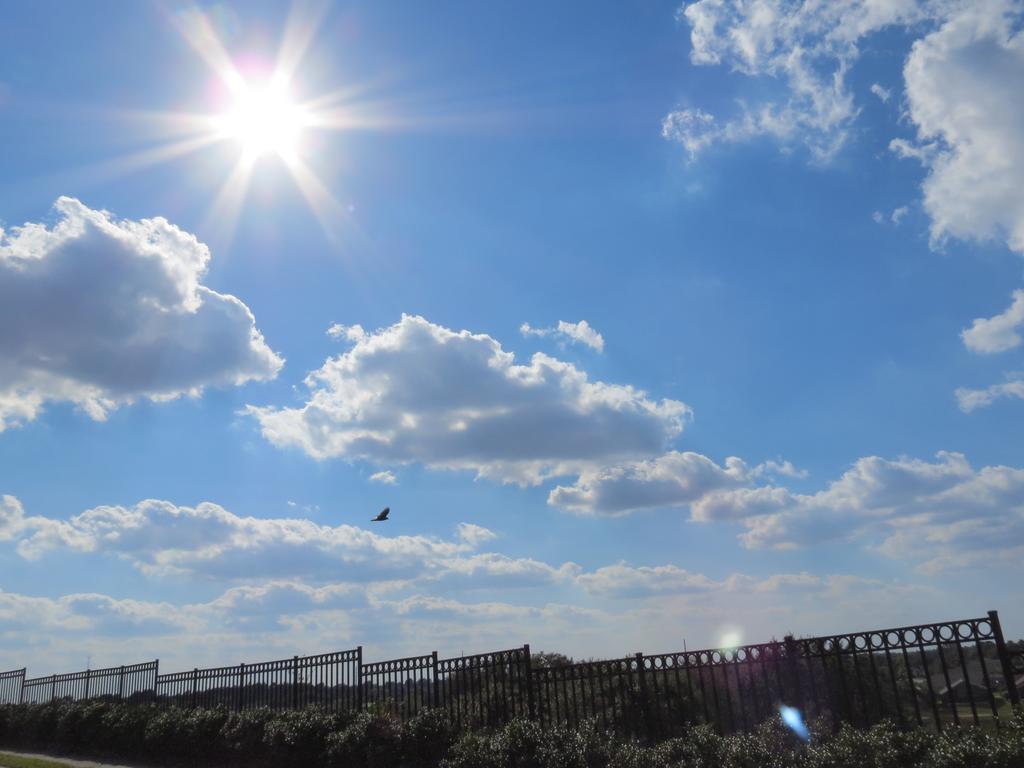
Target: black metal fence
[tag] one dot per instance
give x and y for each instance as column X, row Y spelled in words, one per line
column 486, row 689
column 329, row 680
column 11, row 685
column 135, row 683
column 401, row 686
column 930, row 675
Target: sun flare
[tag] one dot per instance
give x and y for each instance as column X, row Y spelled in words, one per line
column 264, row 120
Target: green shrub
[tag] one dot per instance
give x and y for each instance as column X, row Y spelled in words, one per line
column 971, row 747
column 427, row 737
column 521, row 743
column 243, row 732
column 368, row 741
column 125, row 728
column 312, row 738
column 165, row 734
column 882, row 746
column 298, row 738
column 582, row 747
column 80, row 726
column 477, row 750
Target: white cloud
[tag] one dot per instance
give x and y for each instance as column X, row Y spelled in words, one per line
column 578, row 333
column 964, row 514
column 969, row 399
column 998, row 333
column 617, row 608
column 895, row 217
column 474, row 535
column 956, row 514
column 385, row 477
column 673, row 479
column 623, row 580
column 99, row 313
column 809, row 47
column 961, row 82
column 963, row 95
column 350, row 332
column 91, row 613
column 209, row 541
column 419, row 392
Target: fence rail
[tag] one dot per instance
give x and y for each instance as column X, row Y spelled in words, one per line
column 927, row 676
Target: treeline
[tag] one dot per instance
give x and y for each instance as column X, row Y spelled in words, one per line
column 312, row 738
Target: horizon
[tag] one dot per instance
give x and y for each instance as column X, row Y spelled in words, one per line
column 651, row 323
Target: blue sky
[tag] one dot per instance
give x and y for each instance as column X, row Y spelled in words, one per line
column 650, row 322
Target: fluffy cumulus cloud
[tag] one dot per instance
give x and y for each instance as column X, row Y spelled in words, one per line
column 960, row 84
column 576, row 333
column 419, row 392
column 936, row 514
column 673, row 479
column 100, row 312
column 988, row 335
column 939, row 514
column 963, row 95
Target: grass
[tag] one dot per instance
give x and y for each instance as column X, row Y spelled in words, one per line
column 17, row 761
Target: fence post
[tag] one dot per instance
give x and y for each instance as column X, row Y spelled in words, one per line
column 195, row 685
column 295, row 682
column 241, row 687
column 120, row 684
column 792, row 666
column 21, row 695
column 156, row 675
column 531, row 705
column 88, row 676
column 53, row 687
column 359, row 678
column 1004, row 659
column 641, row 679
column 435, row 693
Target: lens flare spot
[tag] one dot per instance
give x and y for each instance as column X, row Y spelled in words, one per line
column 793, row 720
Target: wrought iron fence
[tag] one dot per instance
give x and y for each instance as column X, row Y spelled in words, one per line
column 928, row 675
column 11, row 685
column 134, row 683
column 486, row 689
column 401, row 686
column 329, row 680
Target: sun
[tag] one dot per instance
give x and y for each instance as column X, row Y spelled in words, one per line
column 255, row 112
column 264, row 120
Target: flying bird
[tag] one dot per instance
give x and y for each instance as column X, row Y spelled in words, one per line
column 382, row 516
